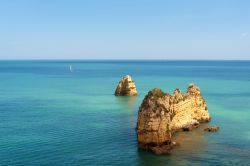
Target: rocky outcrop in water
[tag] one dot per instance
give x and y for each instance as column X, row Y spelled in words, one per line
column 212, row 129
column 162, row 114
column 126, row 87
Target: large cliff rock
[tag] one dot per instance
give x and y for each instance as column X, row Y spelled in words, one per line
column 154, row 119
column 126, row 87
column 160, row 115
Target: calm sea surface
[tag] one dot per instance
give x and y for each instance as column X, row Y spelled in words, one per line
column 51, row 116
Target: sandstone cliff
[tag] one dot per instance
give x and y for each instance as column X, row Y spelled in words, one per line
column 154, row 119
column 126, row 87
column 160, row 115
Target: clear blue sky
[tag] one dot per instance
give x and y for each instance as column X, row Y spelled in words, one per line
column 125, row 29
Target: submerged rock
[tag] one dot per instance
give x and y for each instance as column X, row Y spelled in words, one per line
column 212, row 128
column 191, row 126
column 160, row 115
column 126, row 87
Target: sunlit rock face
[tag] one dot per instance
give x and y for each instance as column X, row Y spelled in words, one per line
column 154, row 119
column 162, row 114
column 190, row 110
column 126, row 87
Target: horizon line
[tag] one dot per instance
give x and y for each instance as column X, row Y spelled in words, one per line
column 37, row 59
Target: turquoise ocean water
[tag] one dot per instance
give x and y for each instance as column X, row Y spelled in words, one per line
column 51, row 116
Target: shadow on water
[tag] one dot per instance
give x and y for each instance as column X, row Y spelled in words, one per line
column 127, row 102
column 192, row 145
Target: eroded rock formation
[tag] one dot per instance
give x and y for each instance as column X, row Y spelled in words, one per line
column 126, row 87
column 162, row 114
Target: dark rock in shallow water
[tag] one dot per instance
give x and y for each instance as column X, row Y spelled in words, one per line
column 191, row 127
column 212, row 128
column 163, row 148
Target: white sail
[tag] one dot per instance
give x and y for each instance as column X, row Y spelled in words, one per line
column 70, row 68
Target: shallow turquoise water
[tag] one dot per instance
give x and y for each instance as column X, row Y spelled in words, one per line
column 51, row 116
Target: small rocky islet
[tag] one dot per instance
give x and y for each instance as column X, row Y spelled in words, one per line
column 126, row 87
column 161, row 115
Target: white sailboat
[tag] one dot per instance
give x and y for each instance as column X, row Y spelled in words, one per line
column 70, row 68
